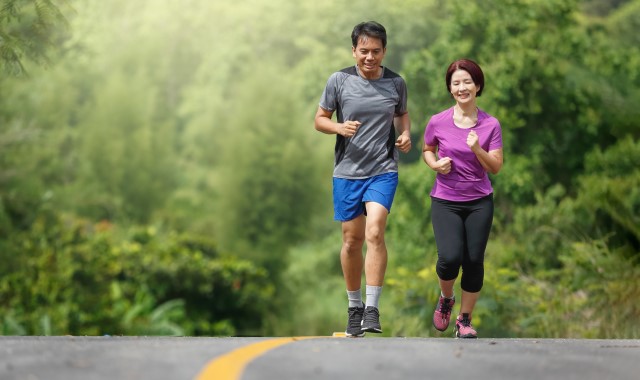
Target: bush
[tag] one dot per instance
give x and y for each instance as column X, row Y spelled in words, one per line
column 70, row 276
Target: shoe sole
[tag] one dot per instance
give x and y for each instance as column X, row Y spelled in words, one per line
column 372, row 330
column 436, row 327
column 468, row 336
column 346, row 334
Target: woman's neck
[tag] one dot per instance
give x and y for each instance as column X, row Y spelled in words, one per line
column 466, row 110
column 465, row 117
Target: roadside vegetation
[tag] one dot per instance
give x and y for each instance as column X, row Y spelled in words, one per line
column 160, row 173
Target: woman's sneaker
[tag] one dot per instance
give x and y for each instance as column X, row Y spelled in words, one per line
column 442, row 314
column 354, row 324
column 464, row 328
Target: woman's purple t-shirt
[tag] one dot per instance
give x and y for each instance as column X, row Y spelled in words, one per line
column 467, row 180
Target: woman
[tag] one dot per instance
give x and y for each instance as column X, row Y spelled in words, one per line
column 462, row 144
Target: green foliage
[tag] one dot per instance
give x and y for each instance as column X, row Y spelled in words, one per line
column 313, row 289
column 160, row 174
column 624, row 22
column 265, row 203
column 610, row 196
column 141, row 316
column 577, row 254
column 27, row 29
column 128, row 156
column 600, row 7
column 80, row 278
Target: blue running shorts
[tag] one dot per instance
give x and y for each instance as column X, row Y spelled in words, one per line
column 350, row 195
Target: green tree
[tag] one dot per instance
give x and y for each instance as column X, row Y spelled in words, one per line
column 126, row 155
column 264, row 199
column 28, row 28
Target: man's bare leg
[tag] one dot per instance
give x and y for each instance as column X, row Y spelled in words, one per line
column 353, row 234
column 376, row 257
column 375, row 264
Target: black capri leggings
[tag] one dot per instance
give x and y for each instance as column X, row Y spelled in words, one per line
column 462, row 231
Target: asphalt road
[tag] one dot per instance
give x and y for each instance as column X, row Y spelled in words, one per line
column 371, row 358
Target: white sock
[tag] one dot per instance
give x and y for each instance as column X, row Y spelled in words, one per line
column 355, row 298
column 373, row 295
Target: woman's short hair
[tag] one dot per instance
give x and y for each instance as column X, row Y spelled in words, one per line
column 469, row 66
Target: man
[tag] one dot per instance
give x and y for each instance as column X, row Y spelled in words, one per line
column 371, row 105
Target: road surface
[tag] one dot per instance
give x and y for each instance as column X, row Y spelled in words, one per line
column 371, row 358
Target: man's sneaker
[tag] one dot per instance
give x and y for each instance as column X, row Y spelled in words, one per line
column 354, row 324
column 371, row 320
column 464, row 328
column 442, row 314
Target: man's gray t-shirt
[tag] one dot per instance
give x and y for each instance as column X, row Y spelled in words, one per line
column 374, row 103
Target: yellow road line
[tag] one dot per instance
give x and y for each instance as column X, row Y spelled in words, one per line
column 231, row 365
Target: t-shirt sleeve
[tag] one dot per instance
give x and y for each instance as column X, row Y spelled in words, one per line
column 496, row 137
column 329, row 98
column 430, row 134
column 401, row 107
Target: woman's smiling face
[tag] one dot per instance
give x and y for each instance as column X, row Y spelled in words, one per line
column 462, row 87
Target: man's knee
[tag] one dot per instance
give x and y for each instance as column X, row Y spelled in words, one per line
column 375, row 235
column 352, row 243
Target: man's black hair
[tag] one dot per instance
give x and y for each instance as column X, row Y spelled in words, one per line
column 370, row 29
